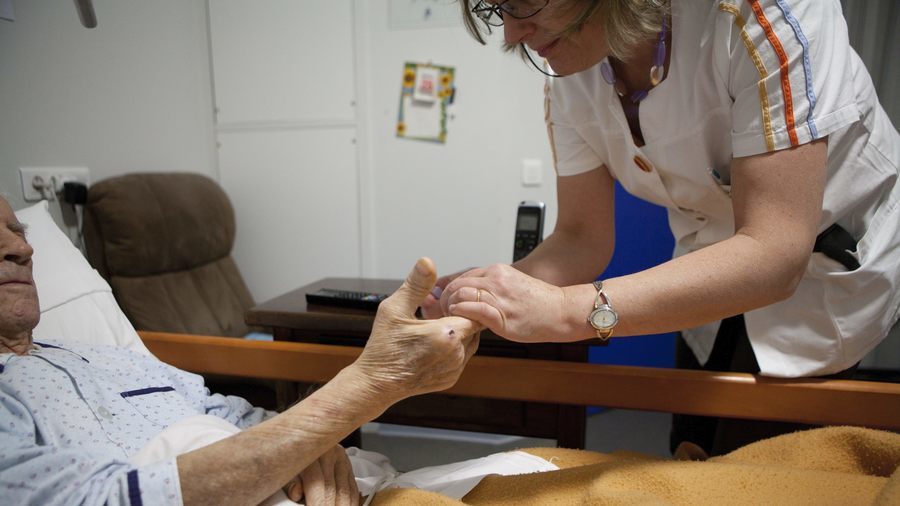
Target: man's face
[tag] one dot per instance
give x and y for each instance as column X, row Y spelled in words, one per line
column 19, row 308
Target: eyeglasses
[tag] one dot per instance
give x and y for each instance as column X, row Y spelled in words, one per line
column 492, row 13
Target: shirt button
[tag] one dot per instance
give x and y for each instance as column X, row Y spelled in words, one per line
column 643, row 164
column 104, row 412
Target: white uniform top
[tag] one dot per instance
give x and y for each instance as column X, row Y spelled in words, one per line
column 750, row 77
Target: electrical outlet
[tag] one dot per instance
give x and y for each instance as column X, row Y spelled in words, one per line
column 40, row 183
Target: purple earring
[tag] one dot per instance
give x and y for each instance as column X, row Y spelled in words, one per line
column 657, row 70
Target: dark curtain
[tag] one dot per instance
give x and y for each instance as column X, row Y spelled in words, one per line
column 873, row 27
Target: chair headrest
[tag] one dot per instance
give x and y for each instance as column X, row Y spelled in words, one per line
column 145, row 224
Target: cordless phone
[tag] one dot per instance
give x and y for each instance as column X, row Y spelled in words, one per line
column 529, row 228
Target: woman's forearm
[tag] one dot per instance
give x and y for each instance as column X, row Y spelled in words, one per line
column 567, row 258
column 732, row 277
column 583, row 239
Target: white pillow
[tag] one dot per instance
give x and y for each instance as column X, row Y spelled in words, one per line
column 77, row 304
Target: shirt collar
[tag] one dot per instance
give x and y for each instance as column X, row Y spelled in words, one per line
column 6, row 357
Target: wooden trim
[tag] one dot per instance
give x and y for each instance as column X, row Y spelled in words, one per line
column 278, row 360
column 735, row 395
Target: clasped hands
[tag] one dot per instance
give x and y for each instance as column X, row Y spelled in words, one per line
column 404, row 356
column 505, row 300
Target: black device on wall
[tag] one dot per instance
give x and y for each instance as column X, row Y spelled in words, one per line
column 86, row 13
column 529, row 228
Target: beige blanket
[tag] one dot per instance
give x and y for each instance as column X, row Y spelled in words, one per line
column 834, row 465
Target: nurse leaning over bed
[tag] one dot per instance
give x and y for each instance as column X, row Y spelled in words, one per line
column 757, row 126
column 73, row 415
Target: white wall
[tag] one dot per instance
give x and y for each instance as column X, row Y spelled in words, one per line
column 286, row 122
column 455, row 202
column 134, row 94
column 321, row 185
column 131, row 95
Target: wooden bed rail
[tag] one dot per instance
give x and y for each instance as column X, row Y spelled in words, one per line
column 735, row 395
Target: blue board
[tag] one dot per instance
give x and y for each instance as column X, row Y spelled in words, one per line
column 643, row 239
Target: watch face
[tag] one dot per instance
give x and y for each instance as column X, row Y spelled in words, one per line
column 604, row 318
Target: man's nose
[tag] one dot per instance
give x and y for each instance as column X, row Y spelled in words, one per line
column 15, row 249
column 516, row 31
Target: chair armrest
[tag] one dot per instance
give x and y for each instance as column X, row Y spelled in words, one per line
column 733, row 395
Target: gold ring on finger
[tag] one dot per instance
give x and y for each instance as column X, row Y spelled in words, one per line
column 477, row 295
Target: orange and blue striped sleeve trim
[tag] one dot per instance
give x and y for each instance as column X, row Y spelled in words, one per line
column 783, row 69
column 807, row 67
column 771, row 36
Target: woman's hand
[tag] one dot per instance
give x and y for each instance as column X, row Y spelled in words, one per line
column 406, row 356
column 328, row 481
column 431, row 306
column 512, row 304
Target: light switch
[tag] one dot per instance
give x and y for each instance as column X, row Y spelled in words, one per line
column 532, row 172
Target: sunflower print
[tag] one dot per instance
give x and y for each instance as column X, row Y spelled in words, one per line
column 409, row 77
column 445, row 91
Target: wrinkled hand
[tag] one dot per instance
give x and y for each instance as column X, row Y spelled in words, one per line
column 512, row 304
column 431, row 305
column 406, row 356
column 328, row 481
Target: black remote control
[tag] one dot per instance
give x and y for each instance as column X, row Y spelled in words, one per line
column 345, row 298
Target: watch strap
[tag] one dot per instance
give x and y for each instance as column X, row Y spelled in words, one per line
column 601, row 299
column 598, row 285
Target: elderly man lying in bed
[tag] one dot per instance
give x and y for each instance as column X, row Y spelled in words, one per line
column 71, row 416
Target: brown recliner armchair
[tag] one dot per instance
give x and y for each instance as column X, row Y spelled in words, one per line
column 163, row 241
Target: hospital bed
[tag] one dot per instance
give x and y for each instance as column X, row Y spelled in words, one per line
column 732, row 395
column 76, row 302
column 838, row 465
column 587, row 477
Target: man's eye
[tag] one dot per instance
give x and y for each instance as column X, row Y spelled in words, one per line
column 19, row 229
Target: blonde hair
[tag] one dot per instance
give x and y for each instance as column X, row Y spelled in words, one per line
column 625, row 23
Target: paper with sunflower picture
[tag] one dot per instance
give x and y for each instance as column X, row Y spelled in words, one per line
column 426, row 92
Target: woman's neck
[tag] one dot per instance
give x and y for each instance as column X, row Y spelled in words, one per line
column 634, row 72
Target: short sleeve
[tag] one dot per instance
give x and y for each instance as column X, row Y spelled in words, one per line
column 571, row 154
column 786, row 64
column 235, row 410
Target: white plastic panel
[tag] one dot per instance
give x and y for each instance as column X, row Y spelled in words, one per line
column 295, row 197
column 282, row 60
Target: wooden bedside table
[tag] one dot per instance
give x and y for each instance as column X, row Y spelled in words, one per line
column 291, row 319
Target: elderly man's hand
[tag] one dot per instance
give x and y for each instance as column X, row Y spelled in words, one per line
column 328, row 481
column 406, row 356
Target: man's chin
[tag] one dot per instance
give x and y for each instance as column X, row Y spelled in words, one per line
column 25, row 313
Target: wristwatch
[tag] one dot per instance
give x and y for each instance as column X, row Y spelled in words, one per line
column 603, row 318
